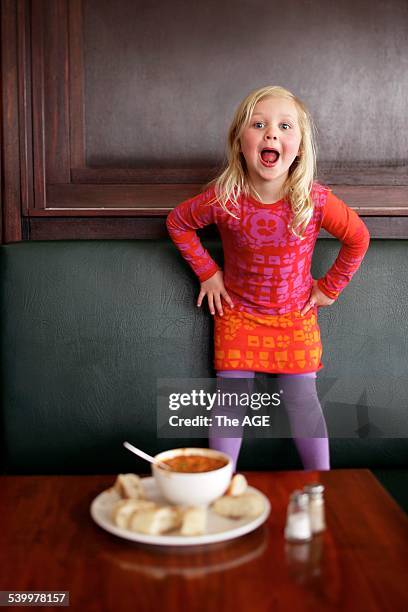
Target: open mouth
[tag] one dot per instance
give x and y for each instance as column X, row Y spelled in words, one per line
column 269, row 157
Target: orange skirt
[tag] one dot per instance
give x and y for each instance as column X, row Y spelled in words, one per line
column 278, row 344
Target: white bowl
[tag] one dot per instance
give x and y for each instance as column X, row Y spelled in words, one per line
column 192, row 489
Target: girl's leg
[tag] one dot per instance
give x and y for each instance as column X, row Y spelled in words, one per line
column 234, row 381
column 306, row 418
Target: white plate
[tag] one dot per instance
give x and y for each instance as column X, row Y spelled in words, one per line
column 218, row 529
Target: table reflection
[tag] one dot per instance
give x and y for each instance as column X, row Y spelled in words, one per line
column 304, row 560
column 190, row 562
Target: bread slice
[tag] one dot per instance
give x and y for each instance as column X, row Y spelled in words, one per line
column 129, row 486
column 124, row 508
column 156, row 521
column 238, row 485
column 194, row 521
column 246, row 505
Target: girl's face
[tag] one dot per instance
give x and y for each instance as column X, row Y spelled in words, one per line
column 271, row 141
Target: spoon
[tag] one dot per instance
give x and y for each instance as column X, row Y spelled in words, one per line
column 145, row 456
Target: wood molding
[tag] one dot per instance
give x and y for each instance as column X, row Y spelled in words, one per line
column 76, row 86
column 160, row 199
column 133, row 228
column 329, row 173
column 11, row 195
column 25, row 108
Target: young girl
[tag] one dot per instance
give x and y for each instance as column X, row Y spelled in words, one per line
column 269, row 211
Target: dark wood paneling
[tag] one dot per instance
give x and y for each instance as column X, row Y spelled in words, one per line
column 76, row 85
column 38, row 94
column 159, row 199
column 74, row 228
column 328, row 173
column 104, row 228
column 100, row 118
column 148, row 176
column 56, row 71
column 11, row 198
column 374, row 200
column 155, row 199
column 24, row 100
column 117, row 135
column 363, row 174
column 163, row 79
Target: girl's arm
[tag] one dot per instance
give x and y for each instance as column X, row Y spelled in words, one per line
column 345, row 224
column 182, row 222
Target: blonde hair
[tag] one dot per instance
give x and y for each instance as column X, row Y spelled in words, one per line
column 233, row 181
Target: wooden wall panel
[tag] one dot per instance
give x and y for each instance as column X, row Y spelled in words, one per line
column 10, row 195
column 134, row 228
column 121, row 108
column 164, row 78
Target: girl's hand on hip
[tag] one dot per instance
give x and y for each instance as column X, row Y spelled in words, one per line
column 214, row 289
column 317, row 298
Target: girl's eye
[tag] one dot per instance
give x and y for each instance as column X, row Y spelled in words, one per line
column 258, row 123
column 287, row 126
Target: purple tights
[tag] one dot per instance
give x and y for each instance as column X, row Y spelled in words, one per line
column 303, row 409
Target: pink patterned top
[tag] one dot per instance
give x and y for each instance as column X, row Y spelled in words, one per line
column 266, row 268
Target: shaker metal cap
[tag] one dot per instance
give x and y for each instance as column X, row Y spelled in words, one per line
column 315, row 488
column 299, row 496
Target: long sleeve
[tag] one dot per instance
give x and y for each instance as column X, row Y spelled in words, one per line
column 345, row 224
column 182, row 222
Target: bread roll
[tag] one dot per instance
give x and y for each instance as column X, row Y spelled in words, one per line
column 129, row 486
column 238, row 485
column 156, row 520
column 248, row 505
column 124, row 508
column 194, row 521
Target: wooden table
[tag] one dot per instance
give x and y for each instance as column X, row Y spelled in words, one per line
column 48, row 541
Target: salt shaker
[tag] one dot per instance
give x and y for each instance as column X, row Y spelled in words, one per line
column 316, row 506
column 298, row 527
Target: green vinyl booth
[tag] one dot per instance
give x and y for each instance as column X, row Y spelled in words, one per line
column 88, row 328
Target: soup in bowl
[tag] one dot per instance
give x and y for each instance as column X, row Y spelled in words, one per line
column 197, row 476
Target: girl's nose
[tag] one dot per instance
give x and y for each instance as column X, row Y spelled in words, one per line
column 271, row 133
